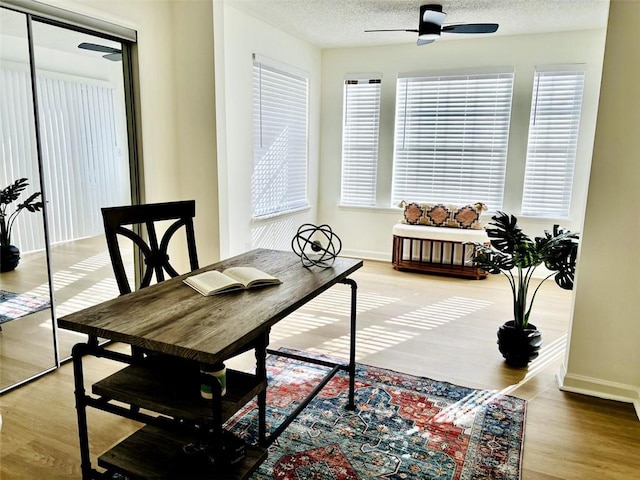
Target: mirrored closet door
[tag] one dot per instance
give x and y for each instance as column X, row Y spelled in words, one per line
column 72, row 147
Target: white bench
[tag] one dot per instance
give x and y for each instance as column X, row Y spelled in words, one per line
column 439, row 250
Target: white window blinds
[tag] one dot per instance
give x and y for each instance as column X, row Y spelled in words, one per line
column 280, row 99
column 360, row 141
column 553, row 138
column 451, row 138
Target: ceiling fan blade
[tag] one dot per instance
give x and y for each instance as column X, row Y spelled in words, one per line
column 422, row 41
column 471, row 28
column 414, row 30
column 114, row 57
column 98, row 48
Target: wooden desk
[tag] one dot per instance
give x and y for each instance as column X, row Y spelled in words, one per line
column 173, row 319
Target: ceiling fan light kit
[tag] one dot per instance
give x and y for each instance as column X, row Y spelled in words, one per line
column 431, row 26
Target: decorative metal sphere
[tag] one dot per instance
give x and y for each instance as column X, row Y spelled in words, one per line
column 308, row 245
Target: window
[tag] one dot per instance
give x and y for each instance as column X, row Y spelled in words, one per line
column 553, row 138
column 451, row 138
column 280, row 99
column 360, row 141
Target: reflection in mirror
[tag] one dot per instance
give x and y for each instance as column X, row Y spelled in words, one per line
column 27, row 345
column 85, row 162
column 83, row 165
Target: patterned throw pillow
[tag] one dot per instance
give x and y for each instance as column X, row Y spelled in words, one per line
column 468, row 216
column 437, row 215
column 412, row 213
column 441, row 215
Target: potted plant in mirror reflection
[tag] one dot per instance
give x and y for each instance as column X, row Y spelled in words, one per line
column 10, row 254
column 517, row 256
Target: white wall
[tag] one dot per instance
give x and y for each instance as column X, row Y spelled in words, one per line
column 176, row 110
column 604, row 348
column 192, row 43
column 237, row 37
column 522, row 53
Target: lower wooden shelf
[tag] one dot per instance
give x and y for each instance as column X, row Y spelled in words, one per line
column 176, row 394
column 155, row 453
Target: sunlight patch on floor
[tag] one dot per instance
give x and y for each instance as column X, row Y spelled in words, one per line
column 548, row 354
column 297, row 323
column 369, row 340
column 96, row 262
column 102, row 291
column 458, row 412
column 61, row 279
column 462, row 413
column 338, row 302
column 439, row 313
column 328, row 308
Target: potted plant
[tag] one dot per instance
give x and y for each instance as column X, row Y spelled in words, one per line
column 10, row 254
column 516, row 256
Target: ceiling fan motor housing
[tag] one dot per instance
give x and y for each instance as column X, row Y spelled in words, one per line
column 431, row 19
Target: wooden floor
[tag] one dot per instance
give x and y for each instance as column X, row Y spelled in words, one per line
column 82, row 276
column 437, row 327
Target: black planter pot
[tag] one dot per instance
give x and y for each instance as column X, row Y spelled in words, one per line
column 9, row 258
column 519, row 347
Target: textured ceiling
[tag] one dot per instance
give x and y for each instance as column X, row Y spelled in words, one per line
column 341, row 23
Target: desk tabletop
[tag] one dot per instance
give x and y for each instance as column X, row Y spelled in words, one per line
column 171, row 317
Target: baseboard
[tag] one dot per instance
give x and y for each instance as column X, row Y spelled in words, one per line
column 596, row 387
column 367, row 255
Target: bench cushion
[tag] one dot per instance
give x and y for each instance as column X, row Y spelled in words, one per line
column 440, row 234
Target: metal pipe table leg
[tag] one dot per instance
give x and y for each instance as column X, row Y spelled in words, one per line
column 352, row 343
column 77, row 353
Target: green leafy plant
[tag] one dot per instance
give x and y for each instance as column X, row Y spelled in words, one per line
column 9, row 195
column 516, row 256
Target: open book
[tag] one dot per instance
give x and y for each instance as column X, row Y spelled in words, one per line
column 233, row 278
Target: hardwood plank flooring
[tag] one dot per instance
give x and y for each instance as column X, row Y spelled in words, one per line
column 82, row 276
column 437, row 327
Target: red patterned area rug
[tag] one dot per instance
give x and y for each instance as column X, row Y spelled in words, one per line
column 404, row 427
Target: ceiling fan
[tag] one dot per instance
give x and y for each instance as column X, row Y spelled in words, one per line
column 430, row 26
column 113, row 54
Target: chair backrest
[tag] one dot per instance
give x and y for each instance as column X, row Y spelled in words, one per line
column 128, row 222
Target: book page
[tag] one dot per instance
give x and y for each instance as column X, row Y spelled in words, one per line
column 211, row 282
column 251, row 276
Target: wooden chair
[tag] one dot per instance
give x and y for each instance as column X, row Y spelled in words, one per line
column 133, row 222
column 128, row 221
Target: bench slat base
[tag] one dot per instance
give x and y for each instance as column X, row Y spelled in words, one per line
column 441, row 257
